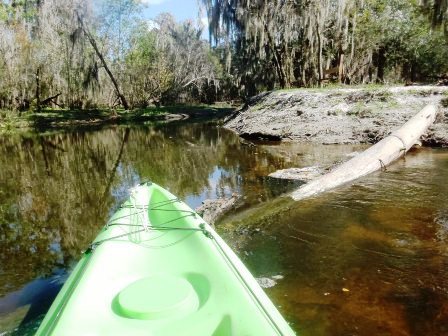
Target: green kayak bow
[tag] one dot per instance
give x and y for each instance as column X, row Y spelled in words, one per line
column 157, row 268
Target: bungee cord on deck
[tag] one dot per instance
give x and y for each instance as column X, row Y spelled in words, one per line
column 143, row 222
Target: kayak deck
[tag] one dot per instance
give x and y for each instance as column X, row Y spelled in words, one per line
column 158, row 269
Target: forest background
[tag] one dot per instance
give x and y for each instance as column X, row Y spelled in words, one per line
column 102, row 54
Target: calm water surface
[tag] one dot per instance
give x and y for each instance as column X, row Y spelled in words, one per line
column 367, row 259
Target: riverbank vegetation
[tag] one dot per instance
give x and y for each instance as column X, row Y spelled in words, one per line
column 49, row 120
column 270, row 44
column 83, row 55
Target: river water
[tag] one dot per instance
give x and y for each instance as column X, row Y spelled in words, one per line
column 370, row 258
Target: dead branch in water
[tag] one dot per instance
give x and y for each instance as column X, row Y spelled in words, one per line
column 376, row 157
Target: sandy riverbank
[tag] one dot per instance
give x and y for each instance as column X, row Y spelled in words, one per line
column 341, row 115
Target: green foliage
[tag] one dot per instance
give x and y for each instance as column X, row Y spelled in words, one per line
column 46, row 50
column 444, row 102
column 360, row 110
column 144, row 46
column 88, row 56
column 385, row 41
column 19, row 9
column 4, row 13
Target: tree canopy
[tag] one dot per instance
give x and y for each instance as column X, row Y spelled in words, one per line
column 84, row 54
column 283, row 43
column 81, row 54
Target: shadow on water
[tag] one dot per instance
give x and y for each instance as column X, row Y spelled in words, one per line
column 36, row 297
column 89, row 120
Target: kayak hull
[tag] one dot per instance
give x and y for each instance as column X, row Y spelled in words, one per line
column 157, row 268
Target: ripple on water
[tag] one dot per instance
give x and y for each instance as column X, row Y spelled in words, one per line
column 367, row 258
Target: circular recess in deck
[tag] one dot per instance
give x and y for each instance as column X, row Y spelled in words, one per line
column 158, row 297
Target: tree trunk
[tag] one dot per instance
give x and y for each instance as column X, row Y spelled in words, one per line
column 37, row 94
column 277, row 57
column 381, row 64
column 341, row 67
column 319, row 56
column 376, row 157
column 92, row 41
column 117, row 162
column 413, row 72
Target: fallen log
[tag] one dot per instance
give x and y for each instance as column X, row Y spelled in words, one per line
column 376, row 157
column 302, row 174
column 212, row 210
column 50, row 100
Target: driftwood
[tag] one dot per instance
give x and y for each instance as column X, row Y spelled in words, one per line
column 302, row 174
column 376, row 157
column 51, row 99
column 212, row 210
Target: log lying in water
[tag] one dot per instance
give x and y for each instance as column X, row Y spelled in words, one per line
column 376, row 157
column 303, row 174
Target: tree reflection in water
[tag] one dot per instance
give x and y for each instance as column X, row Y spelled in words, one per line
column 383, row 239
column 57, row 191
